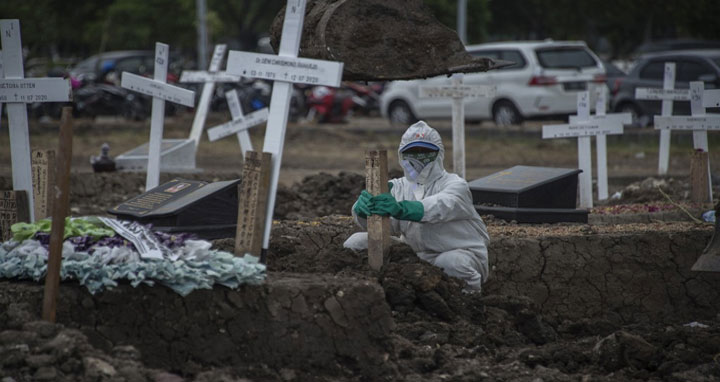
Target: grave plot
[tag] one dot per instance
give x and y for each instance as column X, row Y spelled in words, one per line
column 563, row 300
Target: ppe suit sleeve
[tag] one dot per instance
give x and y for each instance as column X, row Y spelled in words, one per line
column 362, row 222
column 454, row 202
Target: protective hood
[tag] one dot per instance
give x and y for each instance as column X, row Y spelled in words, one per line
column 421, row 132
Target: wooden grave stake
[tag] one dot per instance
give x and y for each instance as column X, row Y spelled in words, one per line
column 699, row 177
column 252, row 203
column 208, row 78
column 376, row 182
column 60, row 208
column 284, row 69
column 16, row 91
column 240, row 123
column 458, row 93
column 667, row 95
column 698, row 122
column 160, row 91
column 14, row 208
column 43, row 171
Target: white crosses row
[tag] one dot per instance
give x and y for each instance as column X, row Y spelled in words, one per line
column 458, row 92
column 284, row 69
column 583, row 126
column 15, row 91
column 161, row 92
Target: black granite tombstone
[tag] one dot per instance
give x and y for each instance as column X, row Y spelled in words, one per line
column 529, row 194
column 208, row 210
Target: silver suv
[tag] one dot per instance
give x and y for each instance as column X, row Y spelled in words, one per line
column 543, row 82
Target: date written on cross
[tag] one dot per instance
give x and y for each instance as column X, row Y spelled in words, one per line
column 158, row 89
column 290, row 69
column 581, row 130
column 35, row 90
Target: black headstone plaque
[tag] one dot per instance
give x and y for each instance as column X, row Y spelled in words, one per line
column 529, row 194
column 208, row 210
column 528, row 187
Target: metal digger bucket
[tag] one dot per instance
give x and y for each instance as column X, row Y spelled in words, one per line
column 709, row 261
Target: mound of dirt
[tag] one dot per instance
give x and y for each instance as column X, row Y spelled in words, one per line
column 43, row 351
column 319, row 195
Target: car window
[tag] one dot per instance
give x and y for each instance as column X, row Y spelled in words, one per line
column 565, row 57
column 716, row 60
column 512, row 55
column 692, row 70
column 87, row 65
column 654, row 70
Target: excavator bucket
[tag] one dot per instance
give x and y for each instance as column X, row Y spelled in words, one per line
column 709, row 261
column 380, row 40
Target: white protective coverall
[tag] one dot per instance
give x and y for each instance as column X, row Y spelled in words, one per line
column 451, row 234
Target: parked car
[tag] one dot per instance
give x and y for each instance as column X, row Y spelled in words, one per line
column 690, row 65
column 543, row 82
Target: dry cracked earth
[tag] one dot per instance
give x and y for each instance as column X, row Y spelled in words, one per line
column 565, row 302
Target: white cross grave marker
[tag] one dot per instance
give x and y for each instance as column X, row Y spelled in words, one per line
column 209, row 77
column 583, row 126
column 284, row 69
column 161, row 92
column 698, row 121
column 240, row 123
column 667, row 95
column 458, row 92
column 615, row 122
column 16, row 91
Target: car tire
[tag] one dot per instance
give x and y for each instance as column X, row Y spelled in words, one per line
column 400, row 114
column 638, row 118
column 505, row 114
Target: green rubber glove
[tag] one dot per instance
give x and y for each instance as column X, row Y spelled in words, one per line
column 386, row 205
column 363, row 204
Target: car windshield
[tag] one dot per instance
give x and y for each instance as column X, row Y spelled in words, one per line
column 565, row 57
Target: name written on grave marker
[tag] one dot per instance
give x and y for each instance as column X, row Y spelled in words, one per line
column 35, row 90
column 43, row 178
column 578, row 129
column 707, row 122
column 14, row 208
column 157, row 197
column 292, row 69
column 158, row 89
column 462, row 91
column 655, row 94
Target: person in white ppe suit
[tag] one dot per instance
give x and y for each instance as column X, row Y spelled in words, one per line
column 431, row 210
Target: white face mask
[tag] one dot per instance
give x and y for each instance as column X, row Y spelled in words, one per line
column 413, row 168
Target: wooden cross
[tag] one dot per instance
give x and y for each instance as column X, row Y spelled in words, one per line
column 208, row 78
column 458, row 93
column 698, row 122
column 16, row 91
column 160, row 91
column 240, row 123
column 613, row 120
column 583, row 127
column 667, row 95
column 284, row 69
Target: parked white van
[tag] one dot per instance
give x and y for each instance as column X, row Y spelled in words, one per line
column 543, row 82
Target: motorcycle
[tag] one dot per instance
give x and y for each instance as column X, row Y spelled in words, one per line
column 102, row 98
column 332, row 105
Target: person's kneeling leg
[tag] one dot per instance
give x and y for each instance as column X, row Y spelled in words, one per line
column 462, row 264
column 357, row 241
